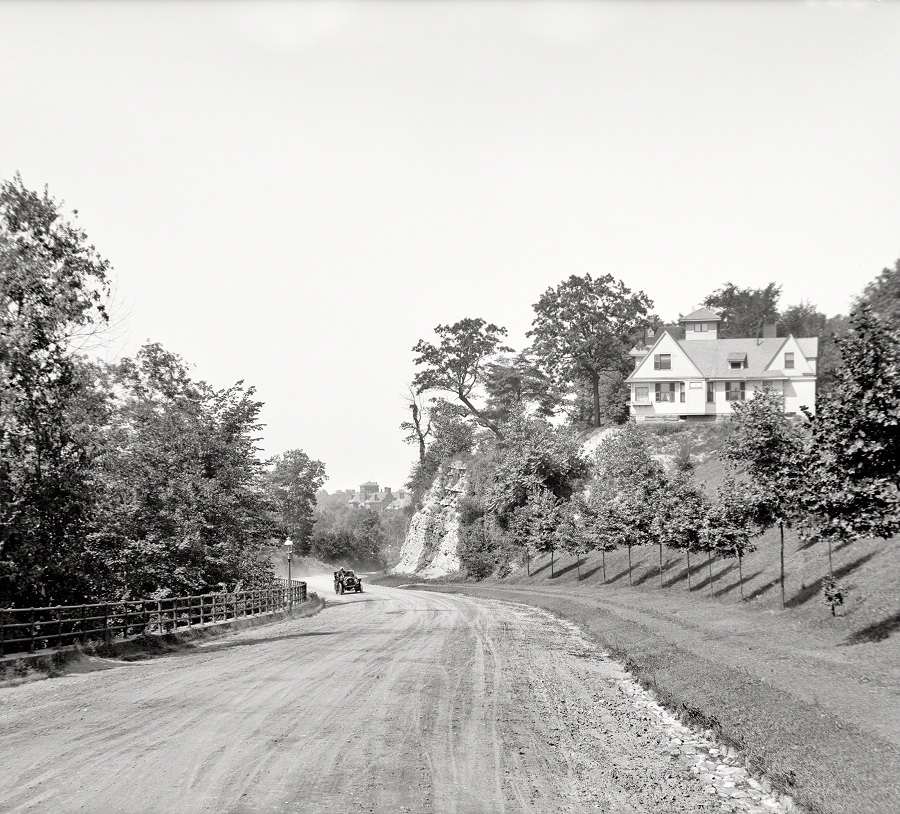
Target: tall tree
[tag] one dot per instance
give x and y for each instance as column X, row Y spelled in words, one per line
column 53, row 286
column 294, row 480
column 418, row 428
column 680, row 509
column 456, row 363
column 744, row 311
column 771, row 448
column 516, row 384
column 584, row 328
column 882, row 296
column 853, row 479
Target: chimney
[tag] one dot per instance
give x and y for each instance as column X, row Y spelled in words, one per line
column 769, row 330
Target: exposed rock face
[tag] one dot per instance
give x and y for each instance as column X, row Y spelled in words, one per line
column 430, row 548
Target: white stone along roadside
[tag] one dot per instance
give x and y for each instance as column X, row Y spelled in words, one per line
column 721, row 769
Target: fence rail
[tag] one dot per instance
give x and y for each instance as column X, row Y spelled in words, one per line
column 30, row 630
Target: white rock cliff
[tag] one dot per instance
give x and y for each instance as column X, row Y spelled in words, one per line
column 430, row 548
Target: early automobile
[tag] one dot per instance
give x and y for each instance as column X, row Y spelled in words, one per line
column 346, row 581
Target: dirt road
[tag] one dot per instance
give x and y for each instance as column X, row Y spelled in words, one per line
column 388, row 701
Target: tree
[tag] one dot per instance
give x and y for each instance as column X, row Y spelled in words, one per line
column 628, row 480
column 533, row 455
column 456, row 364
column 53, row 286
column 882, row 296
column 731, row 522
column 771, row 448
column 418, row 428
column 516, row 385
column 294, row 480
column 542, row 510
column 680, row 509
column 583, row 329
column 803, row 319
column 184, row 503
column 744, row 310
column 852, row 476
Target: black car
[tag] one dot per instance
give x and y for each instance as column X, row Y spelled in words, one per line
column 346, row 581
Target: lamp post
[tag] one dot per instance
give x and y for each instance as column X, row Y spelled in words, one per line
column 289, row 546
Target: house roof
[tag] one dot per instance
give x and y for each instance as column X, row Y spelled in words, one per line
column 712, row 356
column 701, row 315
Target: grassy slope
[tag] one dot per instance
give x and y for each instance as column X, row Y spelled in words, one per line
column 811, row 699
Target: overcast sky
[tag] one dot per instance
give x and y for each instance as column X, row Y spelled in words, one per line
column 294, row 193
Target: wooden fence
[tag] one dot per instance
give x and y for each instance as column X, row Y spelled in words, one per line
column 31, row 630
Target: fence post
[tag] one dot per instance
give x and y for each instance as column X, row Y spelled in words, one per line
column 160, row 628
column 106, row 634
column 83, row 616
column 31, row 631
column 59, row 626
column 2, row 632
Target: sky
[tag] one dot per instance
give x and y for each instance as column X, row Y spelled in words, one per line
column 293, row 193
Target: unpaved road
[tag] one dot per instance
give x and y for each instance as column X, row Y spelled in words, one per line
column 388, row 701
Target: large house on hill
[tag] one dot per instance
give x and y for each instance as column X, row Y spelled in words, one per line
column 699, row 376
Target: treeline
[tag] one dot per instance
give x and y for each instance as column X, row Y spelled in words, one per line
column 531, row 489
column 126, row 479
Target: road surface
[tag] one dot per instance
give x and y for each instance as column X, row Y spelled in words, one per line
column 388, row 701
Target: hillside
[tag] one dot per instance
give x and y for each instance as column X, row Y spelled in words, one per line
column 868, row 569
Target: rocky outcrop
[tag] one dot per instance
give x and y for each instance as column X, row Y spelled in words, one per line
column 430, row 548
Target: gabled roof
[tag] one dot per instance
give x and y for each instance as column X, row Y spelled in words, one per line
column 711, row 356
column 702, row 315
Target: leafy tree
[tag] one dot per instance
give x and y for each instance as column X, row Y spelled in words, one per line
column 732, row 521
column 572, row 534
column 456, row 364
column 629, row 481
column 184, row 504
column 354, row 536
column 294, row 480
column 533, row 455
column 542, row 513
column 771, row 448
column 744, row 310
column 803, row 319
column 516, row 385
column 53, row 285
column 882, row 296
column 452, row 436
column 601, row 527
column 680, row 509
column 583, row 329
column 852, row 475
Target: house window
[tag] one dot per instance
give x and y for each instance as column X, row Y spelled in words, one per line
column 681, row 392
column 788, row 360
column 642, row 394
column 662, row 361
column 710, row 393
column 735, row 391
column 701, row 327
column 735, row 365
column 665, row 391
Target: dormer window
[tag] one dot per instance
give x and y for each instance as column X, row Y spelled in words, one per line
column 737, row 361
column 662, row 361
column 701, row 327
column 788, row 361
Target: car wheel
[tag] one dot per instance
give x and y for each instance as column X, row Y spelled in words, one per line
column 359, row 590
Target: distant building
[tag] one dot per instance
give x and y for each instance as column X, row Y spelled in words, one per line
column 686, row 372
column 371, row 497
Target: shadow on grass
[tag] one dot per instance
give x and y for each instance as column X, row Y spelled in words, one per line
column 571, row 567
column 757, row 592
column 874, row 633
column 736, row 586
column 704, row 573
column 805, row 594
column 544, row 567
column 593, row 571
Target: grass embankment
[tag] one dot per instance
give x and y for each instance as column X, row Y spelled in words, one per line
column 23, row 669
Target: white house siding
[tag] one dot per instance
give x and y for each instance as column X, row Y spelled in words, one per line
column 798, row 393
